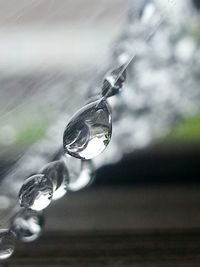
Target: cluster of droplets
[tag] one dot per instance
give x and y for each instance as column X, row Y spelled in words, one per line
column 86, row 136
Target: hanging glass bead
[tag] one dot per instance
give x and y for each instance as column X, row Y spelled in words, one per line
column 89, row 131
column 7, row 243
column 27, row 225
column 114, row 81
column 58, row 173
column 36, row 192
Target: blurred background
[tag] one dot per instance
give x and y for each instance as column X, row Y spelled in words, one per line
column 53, row 57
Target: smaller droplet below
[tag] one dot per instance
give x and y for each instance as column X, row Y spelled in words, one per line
column 81, row 173
column 36, row 192
column 27, row 225
column 114, row 81
column 7, row 243
column 58, row 173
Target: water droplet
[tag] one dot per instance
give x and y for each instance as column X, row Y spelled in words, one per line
column 27, row 225
column 89, row 131
column 114, row 81
column 36, row 192
column 58, row 173
column 81, row 173
column 7, row 243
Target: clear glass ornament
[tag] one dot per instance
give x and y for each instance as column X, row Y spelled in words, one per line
column 58, row 173
column 89, row 131
column 81, row 173
column 36, row 193
column 27, row 225
column 114, row 81
column 7, row 243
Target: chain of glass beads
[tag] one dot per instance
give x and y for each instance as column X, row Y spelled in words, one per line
column 86, row 136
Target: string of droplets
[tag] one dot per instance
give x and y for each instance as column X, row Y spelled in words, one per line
column 86, row 136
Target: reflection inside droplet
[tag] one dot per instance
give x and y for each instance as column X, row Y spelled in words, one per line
column 89, row 131
column 58, row 173
column 36, row 192
column 7, row 243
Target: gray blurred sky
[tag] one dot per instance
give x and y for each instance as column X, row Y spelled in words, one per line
column 14, row 11
column 48, row 33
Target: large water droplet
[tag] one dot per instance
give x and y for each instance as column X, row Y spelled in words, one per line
column 7, row 243
column 114, row 81
column 27, row 225
column 58, row 173
column 36, row 192
column 81, row 173
column 89, row 131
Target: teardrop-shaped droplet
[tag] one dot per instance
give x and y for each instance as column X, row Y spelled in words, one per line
column 58, row 173
column 36, row 192
column 27, row 225
column 89, row 131
column 114, row 81
column 81, row 173
column 7, row 243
